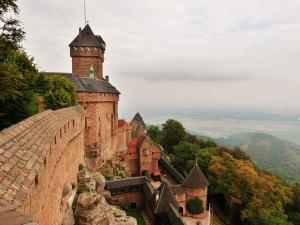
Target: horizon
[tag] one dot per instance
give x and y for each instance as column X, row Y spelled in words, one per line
column 235, row 55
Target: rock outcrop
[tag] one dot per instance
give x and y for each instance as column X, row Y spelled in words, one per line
column 116, row 168
column 92, row 209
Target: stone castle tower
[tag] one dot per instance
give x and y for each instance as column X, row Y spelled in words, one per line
column 87, row 52
column 96, row 95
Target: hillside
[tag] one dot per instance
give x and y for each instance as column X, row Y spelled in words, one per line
column 273, row 154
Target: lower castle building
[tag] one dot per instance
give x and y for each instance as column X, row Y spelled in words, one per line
column 40, row 156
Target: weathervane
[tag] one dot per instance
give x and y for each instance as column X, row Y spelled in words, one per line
column 196, row 160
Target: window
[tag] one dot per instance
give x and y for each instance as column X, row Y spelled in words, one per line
column 36, row 180
column 133, row 205
column 112, row 124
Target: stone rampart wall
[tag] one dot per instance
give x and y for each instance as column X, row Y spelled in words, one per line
column 39, row 160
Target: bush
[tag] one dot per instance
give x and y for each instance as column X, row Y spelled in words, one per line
column 60, row 94
column 195, row 206
column 81, row 190
column 81, row 166
column 107, row 177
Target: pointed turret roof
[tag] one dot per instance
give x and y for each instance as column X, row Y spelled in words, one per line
column 139, row 120
column 195, row 179
column 87, row 38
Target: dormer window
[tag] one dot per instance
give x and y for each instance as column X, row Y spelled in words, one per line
column 92, row 72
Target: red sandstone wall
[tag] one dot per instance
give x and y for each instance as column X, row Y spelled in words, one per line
column 52, row 148
column 81, row 66
column 83, row 58
column 128, row 198
column 100, row 125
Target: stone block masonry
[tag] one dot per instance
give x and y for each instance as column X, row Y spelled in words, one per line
column 39, row 159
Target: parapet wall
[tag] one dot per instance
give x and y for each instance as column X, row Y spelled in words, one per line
column 39, row 160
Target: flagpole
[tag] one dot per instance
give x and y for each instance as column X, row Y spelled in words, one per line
column 84, row 13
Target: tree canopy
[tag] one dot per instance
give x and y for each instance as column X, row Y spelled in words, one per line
column 21, row 84
column 194, row 206
column 253, row 196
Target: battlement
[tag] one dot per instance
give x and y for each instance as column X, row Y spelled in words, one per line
column 33, row 162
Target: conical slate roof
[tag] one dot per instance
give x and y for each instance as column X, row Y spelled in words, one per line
column 86, row 38
column 139, row 120
column 195, row 179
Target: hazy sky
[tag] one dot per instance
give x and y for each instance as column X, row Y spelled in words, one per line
column 166, row 53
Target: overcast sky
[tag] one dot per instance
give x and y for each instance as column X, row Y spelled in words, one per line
column 165, row 53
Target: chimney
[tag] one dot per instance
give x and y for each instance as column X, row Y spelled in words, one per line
column 106, row 78
column 79, row 30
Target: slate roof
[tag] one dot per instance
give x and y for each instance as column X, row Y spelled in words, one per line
column 174, row 217
column 195, row 179
column 171, row 170
column 149, row 194
column 178, row 189
column 166, row 197
column 139, row 120
column 126, row 182
column 85, row 84
column 86, row 38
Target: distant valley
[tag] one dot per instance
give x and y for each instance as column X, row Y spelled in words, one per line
column 270, row 137
column 273, row 154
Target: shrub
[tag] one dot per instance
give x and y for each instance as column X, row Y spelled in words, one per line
column 81, row 190
column 81, row 166
column 107, row 177
column 195, row 206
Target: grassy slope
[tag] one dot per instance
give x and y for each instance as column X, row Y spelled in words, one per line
column 273, row 154
column 137, row 215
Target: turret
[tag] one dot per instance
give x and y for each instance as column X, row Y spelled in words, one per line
column 196, row 188
column 87, row 52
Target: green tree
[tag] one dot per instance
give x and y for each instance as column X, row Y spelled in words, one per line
column 11, row 31
column 172, row 133
column 61, row 93
column 154, row 133
column 256, row 194
column 206, row 144
column 195, row 206
column 293, row 209
column 18, row 99
column 20, row 82
column 183, row 157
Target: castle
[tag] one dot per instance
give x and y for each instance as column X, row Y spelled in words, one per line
column 40, row 156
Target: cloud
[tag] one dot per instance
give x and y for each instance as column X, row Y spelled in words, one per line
column 239, row 49
column 165, row 75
